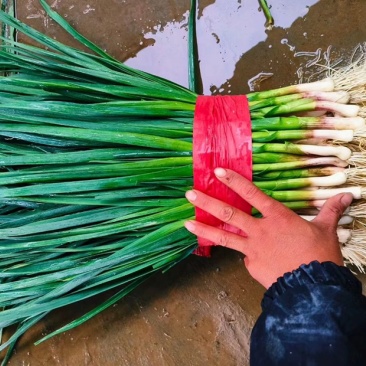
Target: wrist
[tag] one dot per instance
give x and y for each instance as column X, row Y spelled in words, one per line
column 325, row 273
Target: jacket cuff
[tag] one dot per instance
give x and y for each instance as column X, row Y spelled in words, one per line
column 326, row 273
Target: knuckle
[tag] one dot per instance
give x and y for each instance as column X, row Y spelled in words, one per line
column 249, row 191
column 226, row 213
column 273, row 208
column 223, row 240
column 278, row 211
column 336, row 210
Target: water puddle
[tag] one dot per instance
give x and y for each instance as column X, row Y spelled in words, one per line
column 167, row 53
column 226, row 30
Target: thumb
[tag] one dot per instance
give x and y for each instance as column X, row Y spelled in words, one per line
column 333, row 210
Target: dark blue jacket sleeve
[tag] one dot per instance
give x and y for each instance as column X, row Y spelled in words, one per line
column 315, row 315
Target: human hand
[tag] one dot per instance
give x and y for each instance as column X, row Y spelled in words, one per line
column 280, row 241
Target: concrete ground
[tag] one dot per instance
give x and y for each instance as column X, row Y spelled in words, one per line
column 203, row 310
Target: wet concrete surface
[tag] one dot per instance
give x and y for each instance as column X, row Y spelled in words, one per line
column 203, row 310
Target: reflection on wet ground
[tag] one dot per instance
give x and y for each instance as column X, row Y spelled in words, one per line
column 201, row 312
column 226, row 31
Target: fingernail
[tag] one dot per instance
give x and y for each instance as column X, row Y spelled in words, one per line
column 220, row 172
column 347, row 199
column 191, row 195
column 190, row 226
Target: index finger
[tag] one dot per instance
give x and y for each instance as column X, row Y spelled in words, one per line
column 249, row 192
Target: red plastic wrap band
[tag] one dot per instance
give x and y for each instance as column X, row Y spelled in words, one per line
column 222, row 137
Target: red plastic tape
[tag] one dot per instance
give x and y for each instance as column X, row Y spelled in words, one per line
column 222, row 137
